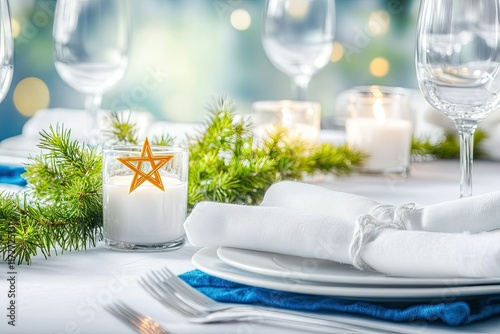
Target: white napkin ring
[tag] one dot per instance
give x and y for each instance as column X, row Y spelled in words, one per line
column 380, row 217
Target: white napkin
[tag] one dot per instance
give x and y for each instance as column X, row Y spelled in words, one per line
column 80, row 121
column 471, row 214
column 310, row 221
column 76, row 120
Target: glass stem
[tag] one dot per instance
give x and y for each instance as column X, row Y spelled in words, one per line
column 300, row 84
column 466, row 130
column 92, row 106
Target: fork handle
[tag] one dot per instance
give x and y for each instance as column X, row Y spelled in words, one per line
column 287, row 317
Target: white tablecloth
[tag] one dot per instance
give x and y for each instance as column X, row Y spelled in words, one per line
column 65, row 293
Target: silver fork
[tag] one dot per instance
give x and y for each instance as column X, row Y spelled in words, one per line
column 184, row 300
column 140, row 323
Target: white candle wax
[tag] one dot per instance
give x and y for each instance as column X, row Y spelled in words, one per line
column 388, row 143
column 148, row 215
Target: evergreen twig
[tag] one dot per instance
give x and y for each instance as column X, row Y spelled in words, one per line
column 62, row 207
column 447, row 147
column 225, row 164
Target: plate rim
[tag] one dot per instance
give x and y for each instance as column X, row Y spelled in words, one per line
column 206, row 260
column 226, row 254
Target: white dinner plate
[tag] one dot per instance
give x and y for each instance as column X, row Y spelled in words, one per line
column 207, row 261
column 294, row 267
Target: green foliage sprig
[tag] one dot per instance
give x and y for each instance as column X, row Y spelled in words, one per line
column 226, row 165
column 62, row 207
column 448, row 147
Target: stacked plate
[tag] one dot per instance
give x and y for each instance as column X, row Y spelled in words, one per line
column 320, row 277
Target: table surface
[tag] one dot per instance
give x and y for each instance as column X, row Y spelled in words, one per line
column 65, row 293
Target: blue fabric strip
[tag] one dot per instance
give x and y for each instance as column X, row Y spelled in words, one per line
column 12, row 175
column 453, row 313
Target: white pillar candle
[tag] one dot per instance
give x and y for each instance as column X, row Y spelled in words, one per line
column 300, row 118
column 388, row 144
column 147, row 215
column 384, row 136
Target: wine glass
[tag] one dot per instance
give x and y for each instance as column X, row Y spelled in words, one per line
column 298, row 38
column 458, row 64
column 6, row 50
column 91, row 43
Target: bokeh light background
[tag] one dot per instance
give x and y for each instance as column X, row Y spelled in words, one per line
column 185, row 53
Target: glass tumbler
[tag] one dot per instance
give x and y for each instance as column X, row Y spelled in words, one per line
column 300, row 118
column 144, row 197
column 379, row 124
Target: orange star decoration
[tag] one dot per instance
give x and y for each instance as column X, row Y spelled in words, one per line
column 156, row 162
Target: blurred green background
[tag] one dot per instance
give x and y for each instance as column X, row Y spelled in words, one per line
column 187, row 52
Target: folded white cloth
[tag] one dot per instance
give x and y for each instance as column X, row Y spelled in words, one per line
column 314, row 222
column 471, row 214
column 77, row 120
column 80, row 121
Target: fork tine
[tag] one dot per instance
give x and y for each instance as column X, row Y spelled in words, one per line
column 167, row 298
column 182, row 292
column 187, row 291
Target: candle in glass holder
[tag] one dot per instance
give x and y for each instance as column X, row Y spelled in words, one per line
column 379, row 124
column 144, row 197
column 301, row 119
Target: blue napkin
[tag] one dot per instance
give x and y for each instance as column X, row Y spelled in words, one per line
column 12, row 175
column 453, row 313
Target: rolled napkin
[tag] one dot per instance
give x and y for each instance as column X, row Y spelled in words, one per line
column 270, row 229
column 310, row 235
column 472, row 214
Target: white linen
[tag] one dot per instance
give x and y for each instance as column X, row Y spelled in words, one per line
column 472, row 214
column 77, row 120
column 300, row 233
column 270, row 229
column 66, row 293
column 80, row 121
column 311, row 221
column 61, row 295
column 319, row 200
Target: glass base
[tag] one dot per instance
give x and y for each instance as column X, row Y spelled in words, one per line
column 140, row 247
column 391, row 172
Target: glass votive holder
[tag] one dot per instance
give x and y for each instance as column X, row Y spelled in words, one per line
column 300, row 118
column 144, row 197
column 379, row 124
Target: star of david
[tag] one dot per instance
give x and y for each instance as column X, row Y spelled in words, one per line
column 156, row 163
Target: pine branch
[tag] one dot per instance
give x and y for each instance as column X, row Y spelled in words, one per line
column 227, row 166
column 62, row 207
column 447, row 147
column 163, row 140
column 122, row 130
